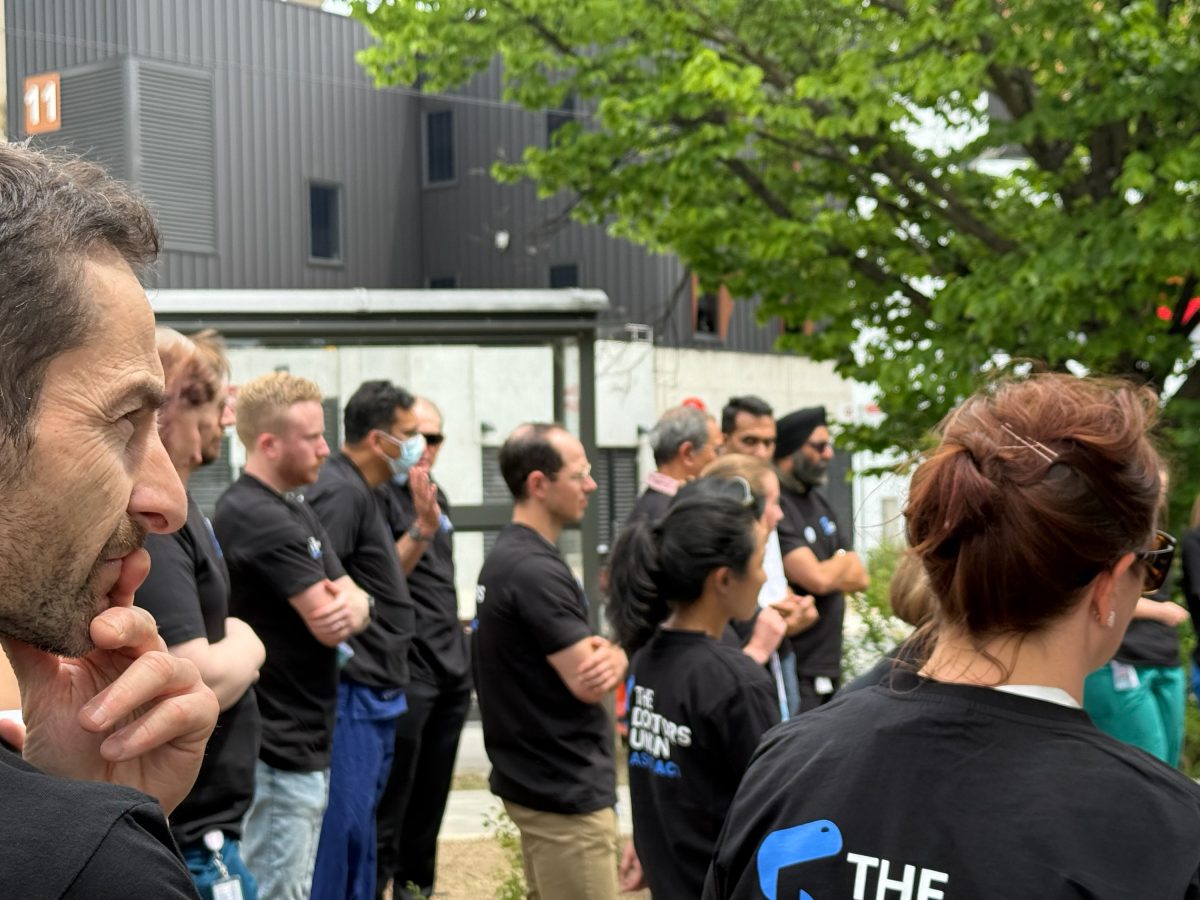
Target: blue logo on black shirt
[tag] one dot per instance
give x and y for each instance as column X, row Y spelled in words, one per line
column 314, row 548
column 789, row 846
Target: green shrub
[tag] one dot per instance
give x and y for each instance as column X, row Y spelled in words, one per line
column 505, row 833
column 871, row 631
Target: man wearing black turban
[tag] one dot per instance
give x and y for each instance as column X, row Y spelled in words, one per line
column 818, row 554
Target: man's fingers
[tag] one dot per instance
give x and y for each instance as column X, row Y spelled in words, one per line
column 183, row 718
column 592, row 663
column 150, row 677
column 331, row 611
column 129, row 629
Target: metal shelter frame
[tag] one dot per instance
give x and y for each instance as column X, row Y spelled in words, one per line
column 359, row 316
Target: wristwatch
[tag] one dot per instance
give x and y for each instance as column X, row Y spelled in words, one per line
column 417, row 534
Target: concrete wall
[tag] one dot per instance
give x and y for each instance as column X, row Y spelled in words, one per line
column 473, row 386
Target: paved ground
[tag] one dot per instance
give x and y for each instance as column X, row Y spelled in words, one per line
column 467, row 809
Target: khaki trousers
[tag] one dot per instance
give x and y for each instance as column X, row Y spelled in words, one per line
column 567, row 857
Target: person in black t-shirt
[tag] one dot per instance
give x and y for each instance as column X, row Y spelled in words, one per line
column 381, row 438
column 187, row 592
column 119, row 722
column 439, row 692
column 980, row 775
column 697, row 705
column 541, row 676
column 684, row 441
column 1189, row 551
column 287, row 583
column 818, row 553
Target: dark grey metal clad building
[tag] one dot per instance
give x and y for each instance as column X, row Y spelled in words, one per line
column 273, row 162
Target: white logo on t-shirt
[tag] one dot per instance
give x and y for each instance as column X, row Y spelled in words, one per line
column 810, row 534
column 314, row 548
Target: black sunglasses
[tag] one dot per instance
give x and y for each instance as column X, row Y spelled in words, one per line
column 1157, row 561
column 433, row 439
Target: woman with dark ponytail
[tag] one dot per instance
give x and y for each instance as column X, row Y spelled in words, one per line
column 697, row 706
column 980, row 775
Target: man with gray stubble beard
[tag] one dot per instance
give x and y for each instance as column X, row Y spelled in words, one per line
column 85, row 477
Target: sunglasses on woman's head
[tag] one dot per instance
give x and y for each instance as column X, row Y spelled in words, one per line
column 1157, row 561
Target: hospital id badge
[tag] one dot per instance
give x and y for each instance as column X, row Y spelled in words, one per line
column 1125, row 676
column 229, row 888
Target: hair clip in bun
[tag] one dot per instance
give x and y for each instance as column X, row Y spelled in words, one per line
column 1025, row 444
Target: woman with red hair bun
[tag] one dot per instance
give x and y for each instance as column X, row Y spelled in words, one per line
column 978, row 774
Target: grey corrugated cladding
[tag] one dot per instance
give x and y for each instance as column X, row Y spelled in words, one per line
column 290, row 104
column 93, row 115
column 462, row 217
column 177, row 153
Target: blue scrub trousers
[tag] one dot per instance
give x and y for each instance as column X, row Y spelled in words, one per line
column 363, row 743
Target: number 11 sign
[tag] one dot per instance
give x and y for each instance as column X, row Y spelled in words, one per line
column 42, row 103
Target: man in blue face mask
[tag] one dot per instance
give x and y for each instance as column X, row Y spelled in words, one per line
column 382, row 440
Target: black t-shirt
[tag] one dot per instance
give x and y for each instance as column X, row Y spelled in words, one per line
column 439, row 649
column 961, row 792
column 697, row 710
column 354, row 518
column 276, row 548
column 651, row 506
column 549, row 751
column 809, row 521
column 1149, row 643
column 1190, row 553
column 187, row 592
column 80, row 840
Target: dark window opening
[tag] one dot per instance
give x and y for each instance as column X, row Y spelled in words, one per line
column 564, row 276
column 443, row 283
column 557, row 118
column 439, row 146
column 324, row 225
column 706, row 314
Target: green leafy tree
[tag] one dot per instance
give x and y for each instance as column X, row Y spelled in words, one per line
column 781, row 147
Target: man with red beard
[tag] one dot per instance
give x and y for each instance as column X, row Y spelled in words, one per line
column 288, row 584
column 85, row 478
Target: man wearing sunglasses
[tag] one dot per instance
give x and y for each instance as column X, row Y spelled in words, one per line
column 439, row 690
column 818, row 555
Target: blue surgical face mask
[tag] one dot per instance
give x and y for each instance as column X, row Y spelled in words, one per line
column 411, row 450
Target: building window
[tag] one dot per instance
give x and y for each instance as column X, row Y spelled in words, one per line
column 439, row 146
column 711, row 311
column 443, row 283
column 706, row 313
column 564, row 276
column 324, row 222
column 557, row 118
